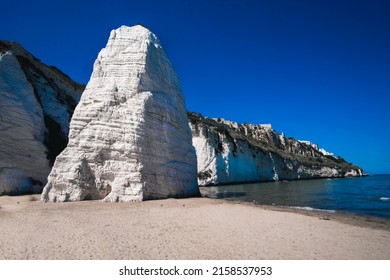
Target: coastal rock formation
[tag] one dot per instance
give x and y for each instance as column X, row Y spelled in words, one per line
column 36, row 104
column 229, row 152
column 129, row 136
column 130, row 140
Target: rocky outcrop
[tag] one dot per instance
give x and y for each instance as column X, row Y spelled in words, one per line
column 129, row 136
column 229, row 152
column 36, row 104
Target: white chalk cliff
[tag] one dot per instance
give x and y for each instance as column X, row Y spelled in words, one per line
column 36, row 103
column 129, row 135
column 130, row 138
column 229, row 153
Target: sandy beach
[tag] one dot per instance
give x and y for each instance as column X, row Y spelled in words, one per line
column 196, row 228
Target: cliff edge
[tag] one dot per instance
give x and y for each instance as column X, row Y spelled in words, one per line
column 36, row 104
column 229, row 152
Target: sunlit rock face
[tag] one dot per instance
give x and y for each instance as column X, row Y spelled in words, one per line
column 229, row 152
column 36, row 104
column 129, row 136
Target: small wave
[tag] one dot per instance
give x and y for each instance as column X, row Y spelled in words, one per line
column 384, row 198
column 311, row 209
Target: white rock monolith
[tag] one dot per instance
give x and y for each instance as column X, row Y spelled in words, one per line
column 129, row 136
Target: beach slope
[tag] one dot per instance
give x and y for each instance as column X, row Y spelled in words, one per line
column 195, row 228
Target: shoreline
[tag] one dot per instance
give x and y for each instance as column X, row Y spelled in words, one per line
column 333, row 195
column 192, row 228
column 342, row 217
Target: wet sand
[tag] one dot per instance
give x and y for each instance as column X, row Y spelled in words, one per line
column 195, row 228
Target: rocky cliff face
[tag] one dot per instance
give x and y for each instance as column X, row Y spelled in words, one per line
column 229, row 152
column 36, row 104
column 129, row 135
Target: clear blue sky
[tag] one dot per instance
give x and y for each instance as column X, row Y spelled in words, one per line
column 315, row 70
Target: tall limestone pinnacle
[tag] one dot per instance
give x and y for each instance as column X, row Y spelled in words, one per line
column 129, row 136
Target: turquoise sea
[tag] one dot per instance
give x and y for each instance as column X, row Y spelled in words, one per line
column 364, row 196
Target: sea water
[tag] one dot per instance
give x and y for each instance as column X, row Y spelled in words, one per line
column 363, row 195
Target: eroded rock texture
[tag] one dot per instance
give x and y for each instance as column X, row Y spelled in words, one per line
column 129, row 136
column 36, row 104
column 229, row 152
